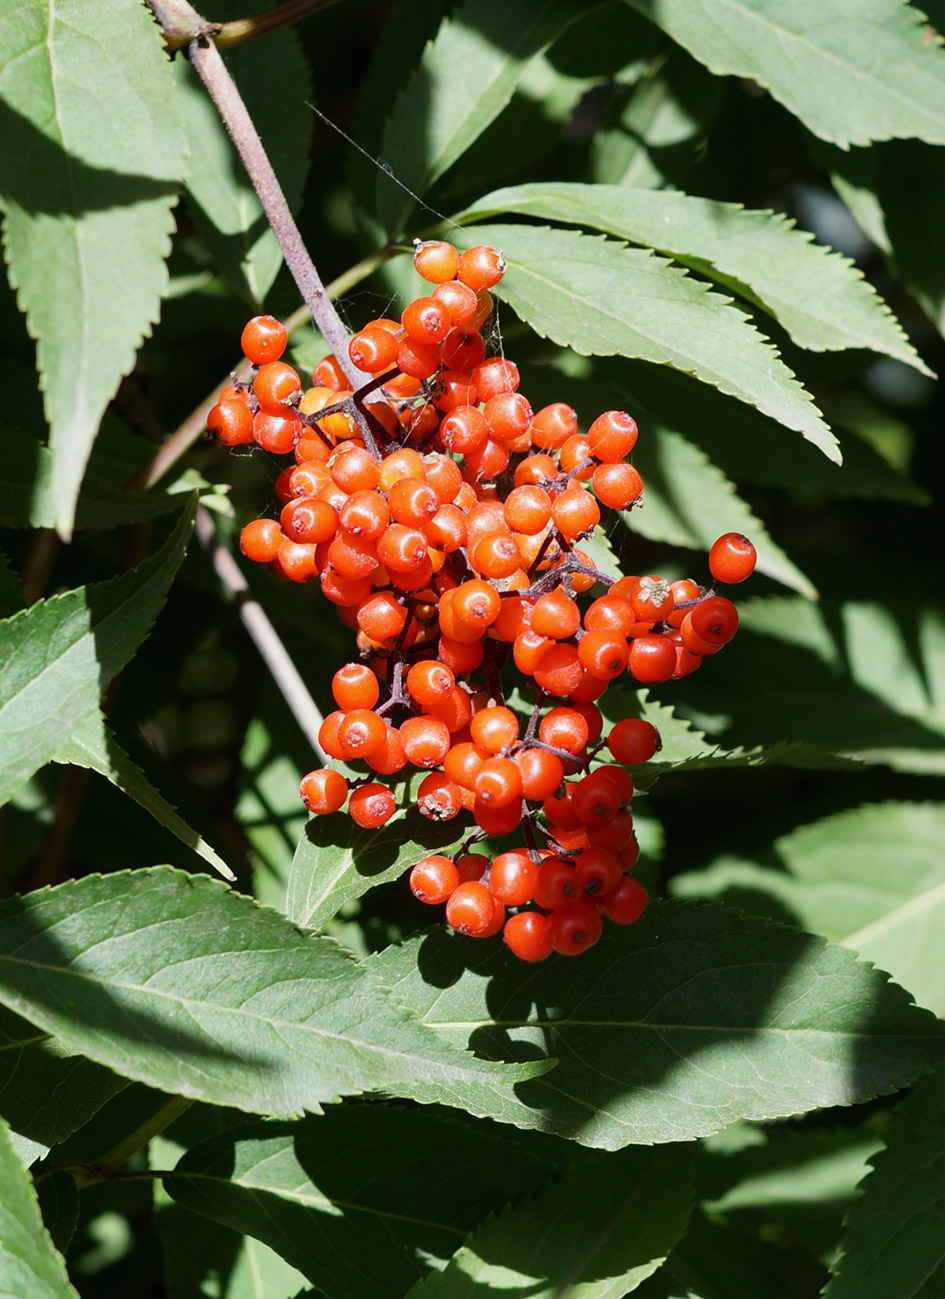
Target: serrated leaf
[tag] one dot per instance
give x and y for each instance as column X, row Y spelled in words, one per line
column 57, row 656
column 817, row 295
column 603, row 299
column 872, row 878
column 89, row 175
column 337, row 861
column 29, row 1263
column 439, row 114
column 58, row 1198
column 221, row 196
column 693, row 1018
column 851, row 74
column 893, row 1246
column 364, row 1199
column 688, row 501
column 93, row 745
column 47, row 1092
column 176, row 981
column 865, row 680
column 28, row 496
column 596, row 1234
column 744, row 444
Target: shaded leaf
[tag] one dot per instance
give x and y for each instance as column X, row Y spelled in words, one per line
column 893, row 1246
column 29, row 1263
column 227, row 212
column 365, row 1198
column 337, row 861
column 688, row 501
column 651, row 136
column 176, row 981
column 912, row 193
column 603, row 299
column 865, row 680
column 59, row 1204
column 57, row 656
column 94, row 154
column 817, row 295
column 850, row 74
column 28, row 497
column 47, row 1091
column 93, row 745
column 694, row 1017
column 596, row 1234
column 872, row 878
column 438, row 115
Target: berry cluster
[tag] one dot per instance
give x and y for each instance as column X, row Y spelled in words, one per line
column 440, row 514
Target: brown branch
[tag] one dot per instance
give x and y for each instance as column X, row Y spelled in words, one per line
column 247, row 29
column 265, row 637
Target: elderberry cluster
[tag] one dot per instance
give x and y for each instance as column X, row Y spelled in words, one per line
column 440, row 513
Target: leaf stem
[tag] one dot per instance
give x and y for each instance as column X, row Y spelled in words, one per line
column 241, row 30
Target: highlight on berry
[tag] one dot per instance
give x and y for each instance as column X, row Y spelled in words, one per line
column 443, row 516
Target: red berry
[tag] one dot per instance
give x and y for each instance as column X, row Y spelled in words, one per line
column 433, row 879
column 732, row 558
column 528, row 936
column 263, row 339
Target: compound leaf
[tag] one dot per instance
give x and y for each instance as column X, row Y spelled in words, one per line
column 850, row 73
column 693, row 1018
column 603, row 299
column 89, row 174
column 895, row 1229
column 92, row 744
column 57, row 656
column 176, row 981
column 819, row 296
column 337, row 861
column 29, row 1262
column 596, row 1234
column 439, row 113
column 364, row 1198
column 871, row 877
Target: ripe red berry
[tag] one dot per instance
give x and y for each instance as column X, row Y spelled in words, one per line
column 528, row 935
column 264, row 339
column 633, row 740
column 371, row 806
column 323, row 791
column 433, row 879
column 470, row 908
column 732, row 558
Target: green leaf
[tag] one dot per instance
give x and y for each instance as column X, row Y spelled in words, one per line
column 744, row 444
column 596, row 1234
column 912, row 193
column 364, row 1199
column 337, row 861
column 603, row 299
column 47, row 1091
column 94, row 154
column 895, row 1230
column 227, row 212
column 268, row 808
column 693, row 1018
column 93, row 745
column 29, row 1263
column 57, row 656
column 439, row 114
column 59, row 1203
column 652, row 137
column 850, row 74
column 865, row 679
column 818, row 296
column 688, row 501
column 872, row 878
column 28, row 496
column 176, row 981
